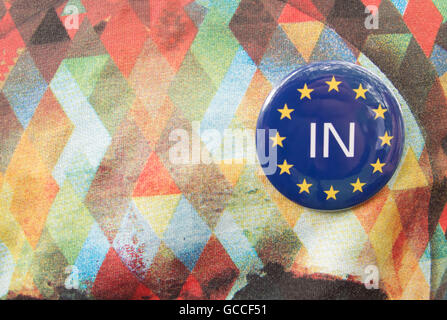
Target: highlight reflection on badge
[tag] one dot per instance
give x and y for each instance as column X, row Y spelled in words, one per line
column 339, row 135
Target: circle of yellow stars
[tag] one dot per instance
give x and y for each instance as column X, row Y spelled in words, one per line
column 286, row 113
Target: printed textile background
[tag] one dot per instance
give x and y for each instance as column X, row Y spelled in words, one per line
column 91, row 206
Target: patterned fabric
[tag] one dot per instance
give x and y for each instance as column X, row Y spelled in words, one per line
column 87, row 191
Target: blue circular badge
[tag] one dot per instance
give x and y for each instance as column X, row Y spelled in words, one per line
column 330, row 136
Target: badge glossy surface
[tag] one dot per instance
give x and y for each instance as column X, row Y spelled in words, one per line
column 337, row 132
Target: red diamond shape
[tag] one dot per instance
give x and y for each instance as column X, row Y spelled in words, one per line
column 114, row 281
column 172, row 30
column 123, row 38
column 372, row 3
column 301, row 11
column 423, row 19
column 10, row 44
column 215, row 270
column 443, row 219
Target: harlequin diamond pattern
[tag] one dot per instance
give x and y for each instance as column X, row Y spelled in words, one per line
column 86, row 111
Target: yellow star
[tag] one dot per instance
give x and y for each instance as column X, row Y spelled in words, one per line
column 378, row 166
column 333, row 84
column 285, row 112
column 285, row 167
column 331, row 193
column 305, row 92
column 386, row 139
column 277, row 140
column 360, row 92
column 304, row 186
column 358, row 185
column 380, row 112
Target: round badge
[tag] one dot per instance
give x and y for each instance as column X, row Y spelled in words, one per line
column 330, row 136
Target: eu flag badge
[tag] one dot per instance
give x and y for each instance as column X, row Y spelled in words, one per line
column 337, row 134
